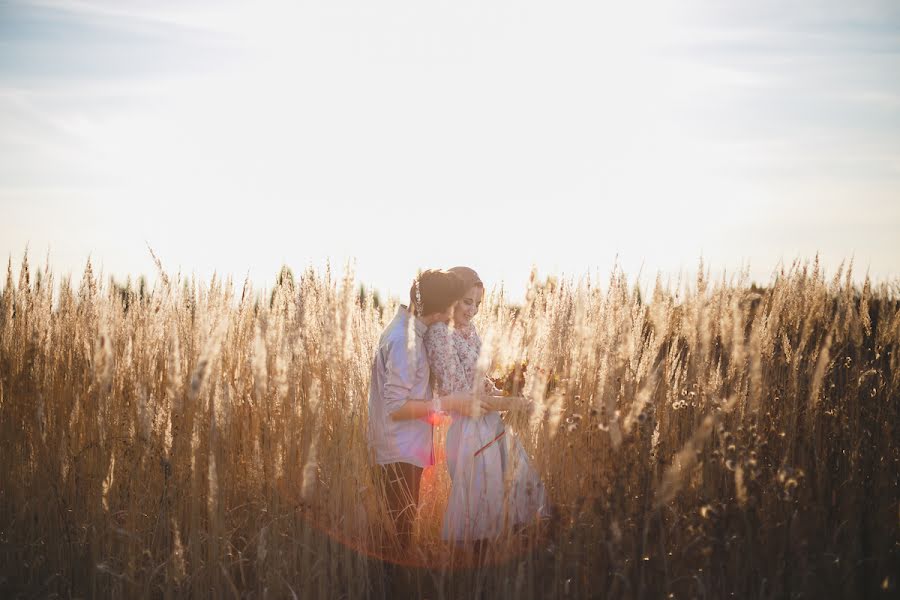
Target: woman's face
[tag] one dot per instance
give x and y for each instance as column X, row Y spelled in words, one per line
column 467, row 307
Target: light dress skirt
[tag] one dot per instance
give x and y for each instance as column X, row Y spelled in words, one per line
column 493, row 485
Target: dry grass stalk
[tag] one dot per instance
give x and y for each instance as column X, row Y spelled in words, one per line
column 176, row 440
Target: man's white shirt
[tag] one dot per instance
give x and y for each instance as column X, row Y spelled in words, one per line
column 399, row 374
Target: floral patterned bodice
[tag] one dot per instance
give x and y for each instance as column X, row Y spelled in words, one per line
column 453, row 358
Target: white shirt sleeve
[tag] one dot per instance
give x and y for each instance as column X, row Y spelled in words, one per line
column 397, row 382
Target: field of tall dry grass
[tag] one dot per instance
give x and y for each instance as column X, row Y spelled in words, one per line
column 713, row 440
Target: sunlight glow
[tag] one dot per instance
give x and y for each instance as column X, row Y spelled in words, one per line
column 237, row 137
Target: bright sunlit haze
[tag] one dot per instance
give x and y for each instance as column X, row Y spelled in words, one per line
column 683, row 390
column 237, row 137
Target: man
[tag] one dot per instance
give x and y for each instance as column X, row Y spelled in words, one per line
column 400, row 396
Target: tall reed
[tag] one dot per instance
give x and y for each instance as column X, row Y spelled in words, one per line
column 713, row 440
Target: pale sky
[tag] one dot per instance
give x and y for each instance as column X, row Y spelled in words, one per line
column 237, row 137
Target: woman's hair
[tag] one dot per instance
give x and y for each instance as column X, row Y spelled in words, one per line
column 469, row 277
column 435, row 290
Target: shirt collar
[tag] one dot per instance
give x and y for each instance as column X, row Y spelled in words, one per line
column 420, row 326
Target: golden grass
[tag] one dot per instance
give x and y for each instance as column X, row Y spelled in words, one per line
column 715, row 440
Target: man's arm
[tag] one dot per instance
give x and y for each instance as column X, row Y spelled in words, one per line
column 464, row 404
column 398, row 387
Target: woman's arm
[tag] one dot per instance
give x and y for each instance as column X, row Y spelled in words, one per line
column 397, row 392
column 464, row 404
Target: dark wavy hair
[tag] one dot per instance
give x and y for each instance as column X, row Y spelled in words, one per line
column 469, row 277
column 438, row 290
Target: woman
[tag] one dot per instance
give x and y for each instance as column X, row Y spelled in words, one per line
column 481, row 456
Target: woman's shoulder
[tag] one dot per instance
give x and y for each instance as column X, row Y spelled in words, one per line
column 467, row 333
column 437, row 330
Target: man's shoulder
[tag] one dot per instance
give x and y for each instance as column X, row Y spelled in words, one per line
column 394, row 334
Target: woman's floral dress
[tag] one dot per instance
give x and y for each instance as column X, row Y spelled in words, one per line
column 482, row 458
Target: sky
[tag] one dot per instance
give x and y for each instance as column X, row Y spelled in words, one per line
column 234, row 137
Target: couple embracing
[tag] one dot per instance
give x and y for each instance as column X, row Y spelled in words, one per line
column 426, row 365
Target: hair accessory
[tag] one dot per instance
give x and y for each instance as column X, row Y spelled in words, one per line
column 418, row 298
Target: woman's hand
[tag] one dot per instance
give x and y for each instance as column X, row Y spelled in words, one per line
column 466, row 404
column 508, row 403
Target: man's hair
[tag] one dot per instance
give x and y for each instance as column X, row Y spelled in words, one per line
column 437, row 291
